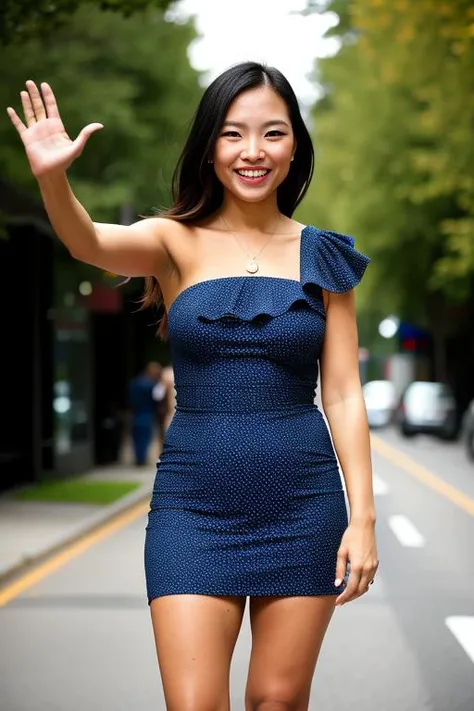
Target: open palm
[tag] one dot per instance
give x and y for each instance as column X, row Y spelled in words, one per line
column 48, row 147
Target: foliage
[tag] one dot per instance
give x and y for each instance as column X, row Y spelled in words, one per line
column 394, row 134
column 21, row 20
column 133, row 76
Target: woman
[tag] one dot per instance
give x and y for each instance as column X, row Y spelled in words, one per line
column 248, row 499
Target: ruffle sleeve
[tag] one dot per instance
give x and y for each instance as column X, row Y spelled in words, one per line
column 331, row 262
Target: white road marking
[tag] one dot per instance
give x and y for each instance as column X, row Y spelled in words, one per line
column 463, row 629
column 379, row 486
column 406, row 532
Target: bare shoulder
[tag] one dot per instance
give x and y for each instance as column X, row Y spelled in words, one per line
column 178, row 238
column 171, row 237
column 166, row 229
column 159, row 228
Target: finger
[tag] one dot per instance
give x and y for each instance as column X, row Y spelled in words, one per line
column 350, row 593
column 36, row 100
column 83, row 137
column 367, row 577
column 364, row 583
column 50, row 101
column 16, row 120
column 27, row 108
column 341, row 567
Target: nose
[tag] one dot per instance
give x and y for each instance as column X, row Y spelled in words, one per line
column 253, row 151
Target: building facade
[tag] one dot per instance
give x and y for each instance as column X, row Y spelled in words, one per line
column 71, row 341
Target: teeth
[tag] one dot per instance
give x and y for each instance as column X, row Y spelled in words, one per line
column 252, row 173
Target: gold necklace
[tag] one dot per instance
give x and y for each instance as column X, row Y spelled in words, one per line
column 252, row 265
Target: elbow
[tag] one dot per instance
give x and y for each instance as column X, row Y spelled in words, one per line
column 342, row 397
column 73, row 251
column 83, row 251
column 78, row 253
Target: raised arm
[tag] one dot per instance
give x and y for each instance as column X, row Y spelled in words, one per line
column 135, row 250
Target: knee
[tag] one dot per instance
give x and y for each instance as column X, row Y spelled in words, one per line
column 278, row 699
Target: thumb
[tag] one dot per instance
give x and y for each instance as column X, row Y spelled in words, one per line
column 341, row 566
column 84, row 136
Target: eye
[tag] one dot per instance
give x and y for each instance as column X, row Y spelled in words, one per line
column 275, row 133
column 231, row 134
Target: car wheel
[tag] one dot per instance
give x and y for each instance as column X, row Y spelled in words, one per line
column 450, row 431
column 406, row 431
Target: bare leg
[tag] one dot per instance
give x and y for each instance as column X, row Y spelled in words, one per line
column 195, row 636
column 287, row 634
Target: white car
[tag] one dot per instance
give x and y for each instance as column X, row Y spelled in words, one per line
column 380, row 402
column 428, row 408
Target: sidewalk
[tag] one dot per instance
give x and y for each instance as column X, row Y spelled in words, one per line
column 30, row 530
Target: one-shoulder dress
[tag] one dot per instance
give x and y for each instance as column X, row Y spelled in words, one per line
column 248, row 498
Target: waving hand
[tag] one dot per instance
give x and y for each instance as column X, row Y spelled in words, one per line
column 48, row 147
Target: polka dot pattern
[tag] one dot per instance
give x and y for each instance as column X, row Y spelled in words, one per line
column 247, row 498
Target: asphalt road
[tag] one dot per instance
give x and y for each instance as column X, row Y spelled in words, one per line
column 81, row 638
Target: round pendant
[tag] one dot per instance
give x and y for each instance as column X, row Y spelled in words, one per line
column 251, row 267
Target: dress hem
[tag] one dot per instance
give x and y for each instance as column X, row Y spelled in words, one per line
column 221, row 593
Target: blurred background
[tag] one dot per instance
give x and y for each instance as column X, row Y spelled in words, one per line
column 388, row 93
column 387, row 89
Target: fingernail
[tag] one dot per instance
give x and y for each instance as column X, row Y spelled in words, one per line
column 337, row 582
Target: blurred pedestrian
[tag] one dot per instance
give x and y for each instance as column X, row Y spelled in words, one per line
column 160, row 396
column 248, row 500
column 169, row 402
column 142, row 395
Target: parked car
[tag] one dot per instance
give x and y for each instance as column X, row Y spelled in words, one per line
column 428, row 408
column 468, row 430
column 380, row 402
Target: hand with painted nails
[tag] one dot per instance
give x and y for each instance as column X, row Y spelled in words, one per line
column 48, row 147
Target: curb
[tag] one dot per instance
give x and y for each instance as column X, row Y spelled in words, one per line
column 82, row 528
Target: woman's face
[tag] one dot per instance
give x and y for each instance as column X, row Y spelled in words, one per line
column 253, row 152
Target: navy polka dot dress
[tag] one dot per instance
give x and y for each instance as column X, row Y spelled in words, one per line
column 248, row 498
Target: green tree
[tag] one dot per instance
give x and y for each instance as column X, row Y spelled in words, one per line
column 431, row 57
column 21, row 20
column 133, row 76
column 395, row 153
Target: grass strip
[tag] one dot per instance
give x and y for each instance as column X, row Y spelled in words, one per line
column 78, row 491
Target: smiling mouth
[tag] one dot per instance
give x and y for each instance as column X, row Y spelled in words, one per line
column 254, row 174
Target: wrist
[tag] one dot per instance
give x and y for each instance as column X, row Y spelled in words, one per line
column 52, row 179
column 364, row 518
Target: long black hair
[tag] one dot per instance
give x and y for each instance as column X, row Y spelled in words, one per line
column 197, row 192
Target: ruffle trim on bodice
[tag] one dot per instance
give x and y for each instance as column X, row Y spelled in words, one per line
column 328, row 261
column 244, row 298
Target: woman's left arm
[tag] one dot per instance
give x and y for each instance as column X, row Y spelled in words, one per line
column 344, row 407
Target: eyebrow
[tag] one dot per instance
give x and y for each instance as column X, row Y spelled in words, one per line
column 273, row 122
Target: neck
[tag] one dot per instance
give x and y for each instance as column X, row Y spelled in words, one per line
column 247, row 216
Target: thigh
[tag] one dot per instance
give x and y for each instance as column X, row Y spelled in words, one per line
column 287, row 634
column 195, row 637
